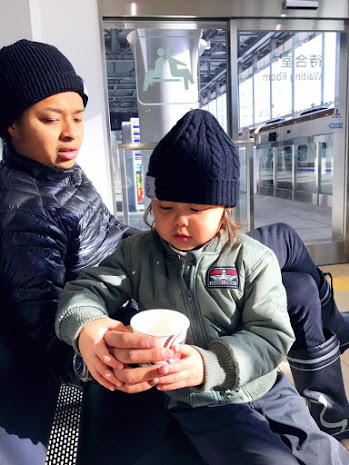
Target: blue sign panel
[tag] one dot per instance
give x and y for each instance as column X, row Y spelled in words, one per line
column 336, row 125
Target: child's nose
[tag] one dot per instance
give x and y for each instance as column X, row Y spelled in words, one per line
column 181, row 220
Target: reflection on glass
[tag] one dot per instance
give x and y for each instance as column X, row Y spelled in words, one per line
column 330, row 62
column 222, row 110
column 308, row 74
column 306, row 167
column 266, row 166
column 287, row 74
column 246, row 103
column 280, row 76
column 262, row 96
column 326, row 180
column 297, row 120
column 241, row 210
column 212, row 107
column 284, row 168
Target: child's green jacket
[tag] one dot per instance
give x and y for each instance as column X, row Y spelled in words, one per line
column 232, row 293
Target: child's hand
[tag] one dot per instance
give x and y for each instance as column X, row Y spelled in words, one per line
column 188, row 371
column 96, row 354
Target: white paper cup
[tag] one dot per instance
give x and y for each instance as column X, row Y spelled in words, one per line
column 168, row 327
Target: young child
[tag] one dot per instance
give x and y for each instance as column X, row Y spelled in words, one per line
column 225, row 391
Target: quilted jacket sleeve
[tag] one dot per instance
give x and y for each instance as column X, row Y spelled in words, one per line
column 44, row 244
column 32, row 274
column 94, row 233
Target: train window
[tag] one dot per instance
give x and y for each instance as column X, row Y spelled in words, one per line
column 287, row 154
column 302, row 153
column 272, row 136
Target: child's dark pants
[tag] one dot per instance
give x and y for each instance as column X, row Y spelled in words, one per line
column 274, row 430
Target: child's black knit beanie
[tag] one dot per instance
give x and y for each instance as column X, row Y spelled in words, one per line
column 30, row 72
column 196, row 162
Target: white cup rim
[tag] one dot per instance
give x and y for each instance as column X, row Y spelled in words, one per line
column 135, row 324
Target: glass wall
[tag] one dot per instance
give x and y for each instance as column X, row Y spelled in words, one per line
column 296, row 140
column 288, row 87
column 287, row 90
column 157, row 72
column 288, row 75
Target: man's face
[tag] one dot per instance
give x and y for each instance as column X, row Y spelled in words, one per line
column 51, row 131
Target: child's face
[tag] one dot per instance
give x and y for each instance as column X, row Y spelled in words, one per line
column 186, row 226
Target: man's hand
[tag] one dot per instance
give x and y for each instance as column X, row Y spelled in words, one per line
column 129, row 349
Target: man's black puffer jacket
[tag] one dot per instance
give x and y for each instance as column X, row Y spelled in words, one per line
column 53, row 225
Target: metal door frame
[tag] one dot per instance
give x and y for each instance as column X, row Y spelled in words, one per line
column 219, row 9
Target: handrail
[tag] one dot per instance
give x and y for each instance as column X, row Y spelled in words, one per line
column 244, row 141
column 152, row 145
column 137, row 146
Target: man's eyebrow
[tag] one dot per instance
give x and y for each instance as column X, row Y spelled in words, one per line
column 57, row 110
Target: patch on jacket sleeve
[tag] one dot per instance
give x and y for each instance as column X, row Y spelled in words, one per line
column 225, row 276
column 281, row 307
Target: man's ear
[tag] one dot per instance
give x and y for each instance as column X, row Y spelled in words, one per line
column 12, row 129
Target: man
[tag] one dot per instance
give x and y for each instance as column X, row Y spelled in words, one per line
column 53, row 224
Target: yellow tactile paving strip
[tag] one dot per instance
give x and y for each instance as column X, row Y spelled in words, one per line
column 341, row 283
column 340, row 274
column 337, row 271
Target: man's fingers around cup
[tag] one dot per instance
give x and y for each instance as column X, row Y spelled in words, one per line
column 127, row 340
column 134, row 376
column 134, row 356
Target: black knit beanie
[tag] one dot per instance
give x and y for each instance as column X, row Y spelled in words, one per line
column 196, row 162
column 30, row 72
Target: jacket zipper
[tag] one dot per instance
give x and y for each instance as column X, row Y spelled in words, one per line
column 194, row 314
column 199, row 334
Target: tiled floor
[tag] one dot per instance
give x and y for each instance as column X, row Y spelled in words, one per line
column 340, row 275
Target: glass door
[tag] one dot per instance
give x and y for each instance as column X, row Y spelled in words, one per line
column 156, row 72
column 289, row 91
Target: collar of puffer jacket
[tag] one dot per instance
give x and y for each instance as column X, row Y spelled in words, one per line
column 34, row 168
